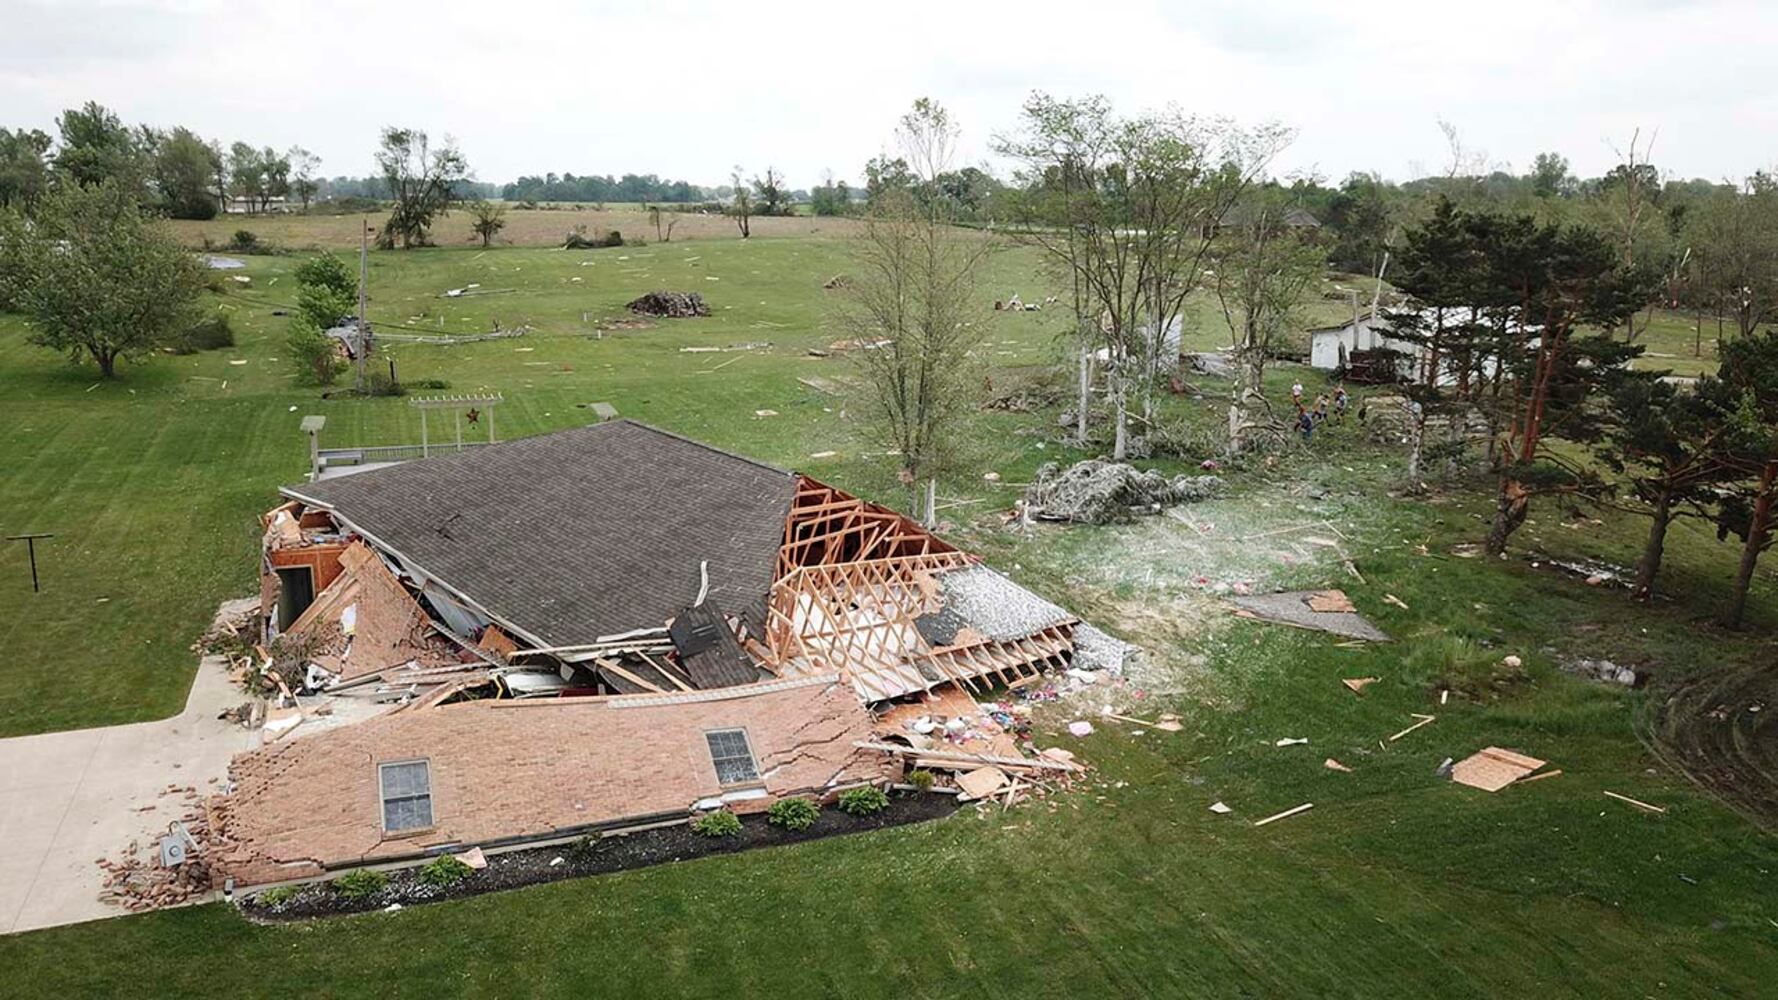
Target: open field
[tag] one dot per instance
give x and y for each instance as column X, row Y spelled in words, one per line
column 539, row 227
column 1397, row 882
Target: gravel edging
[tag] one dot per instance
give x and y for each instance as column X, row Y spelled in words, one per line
column 643, row 849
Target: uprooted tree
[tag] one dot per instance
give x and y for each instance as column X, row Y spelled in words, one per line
column 912, row 289
column 422, row 181
column 100, row 280
column 1127, row 209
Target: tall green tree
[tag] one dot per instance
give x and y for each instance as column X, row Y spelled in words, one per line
column 101, row 281
column 1567, row 282
column 96, row 147
column 24, row 167
column 422, row 181
column 1750, row 372
column 487, row 218
column 1666, row 442
column 183, row 169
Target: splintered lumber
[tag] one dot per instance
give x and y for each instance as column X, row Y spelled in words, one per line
column 1538, row 777
column 1424, row 720
column 1398, row 602
column 1286, row 814
column 1638, row 803
column 957, row 757
column 1358, row 684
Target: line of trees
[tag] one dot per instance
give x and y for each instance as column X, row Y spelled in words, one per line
column 628, row 188
column 1519, row 324
column 174, row 171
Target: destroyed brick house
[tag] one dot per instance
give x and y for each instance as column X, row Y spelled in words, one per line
column 594, row 630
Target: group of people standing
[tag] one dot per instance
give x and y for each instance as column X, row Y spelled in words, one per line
column 1307, row 419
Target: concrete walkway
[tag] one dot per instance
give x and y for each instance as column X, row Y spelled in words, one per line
column 72, row 798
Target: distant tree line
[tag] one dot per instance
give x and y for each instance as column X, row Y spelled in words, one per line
column 628, row 188
column 173, row 172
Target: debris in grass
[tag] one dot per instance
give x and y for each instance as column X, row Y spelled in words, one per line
column 1424, row 720
column 1219, row 808
column 1298, row 609
column 1638, row 803
column 1358, row 684
column 1286, row 814
column 1099, row 492
column 1493, row 768
column 675, row 305
column 1291, row 741
column 1334, row 765
column 1080, row 727
column 1398, row 602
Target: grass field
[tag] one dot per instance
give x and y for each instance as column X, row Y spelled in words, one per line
column 1396, row 882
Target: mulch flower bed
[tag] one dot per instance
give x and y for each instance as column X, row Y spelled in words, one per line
column 517, row 869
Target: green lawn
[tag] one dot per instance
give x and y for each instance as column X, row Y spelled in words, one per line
column 1396, row 882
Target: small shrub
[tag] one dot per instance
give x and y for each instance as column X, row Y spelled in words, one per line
column 378, row 383
column 863, row 801
column 428, row 383
column 328, row 271
column 445, row 871
column 244, row 241
column 585, row 848
column 361, row 884
column 212, row 334
column 720, row 823
column 278, row 895
column 315, row 354
column 921, row 779
column 793, row 813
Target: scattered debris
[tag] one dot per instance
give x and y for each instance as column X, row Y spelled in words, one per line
column 1358, row 684
column 1220, row 809
column 1291, row 741
column 981, row 783
column 1297, row 608
column 473, row 857
column 1099, row 492
column 1286, row 814
column 1512, row 661
column 1166, row 723
column 1398, row 602
column 1080, row 727
column 1424, row 720
column 1602, row 670
column 1331, row 602
column 1493, row 769
column 1540, row 777
column 1334, row 765
column 674, row 305
column 1638, row 803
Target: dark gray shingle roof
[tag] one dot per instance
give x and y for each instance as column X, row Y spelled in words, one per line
column 580, row 533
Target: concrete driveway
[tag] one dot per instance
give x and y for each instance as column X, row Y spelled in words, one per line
column 71, row 798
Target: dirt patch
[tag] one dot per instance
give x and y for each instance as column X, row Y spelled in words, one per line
column 1720, row 730
column 602, row 856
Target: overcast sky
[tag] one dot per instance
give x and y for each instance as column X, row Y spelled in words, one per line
column 686, row 89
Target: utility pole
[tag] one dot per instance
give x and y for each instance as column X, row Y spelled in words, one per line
column 363, row 280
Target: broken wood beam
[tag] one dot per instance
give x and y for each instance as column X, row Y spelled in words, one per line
column 1286, row 814
column 959, row 757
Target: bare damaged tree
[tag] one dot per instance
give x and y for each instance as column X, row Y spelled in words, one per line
column 913, row 286
column 1263, row 278
column 1129, row 207
column 742, row 207
column 422, row 181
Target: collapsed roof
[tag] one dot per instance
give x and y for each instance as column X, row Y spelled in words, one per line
column 578, row 534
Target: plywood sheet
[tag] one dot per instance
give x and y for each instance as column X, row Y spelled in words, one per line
column 1493, row 769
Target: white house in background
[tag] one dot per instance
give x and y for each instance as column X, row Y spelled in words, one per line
column 1331, row 347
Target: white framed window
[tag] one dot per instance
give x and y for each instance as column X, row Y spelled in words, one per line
column 733, row 757
column 406, row 788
